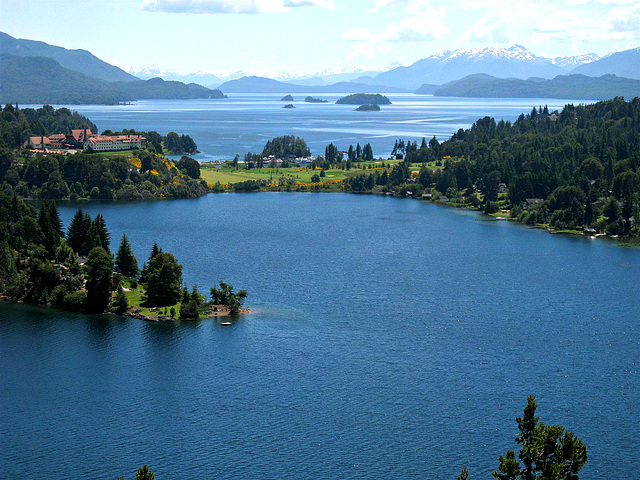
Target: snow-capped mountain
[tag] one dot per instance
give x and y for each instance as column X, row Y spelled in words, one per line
column 574, row 61
column 515, row 61
column 623, row 64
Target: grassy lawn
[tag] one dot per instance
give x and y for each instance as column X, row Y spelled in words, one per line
column 135, row 297
column 230, row 175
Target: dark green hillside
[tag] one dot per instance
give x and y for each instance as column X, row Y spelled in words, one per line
column 43, row 80
column 157, row 88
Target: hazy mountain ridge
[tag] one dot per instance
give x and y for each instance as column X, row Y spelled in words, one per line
column 43, row 80
column 623, row 64
column 80, row 61
column 574, row 86
column 253, row 84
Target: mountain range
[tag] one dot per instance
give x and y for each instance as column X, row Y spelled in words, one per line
column 77, row 75
column 439, row 69
column 255, row 84
column 80, row 61
column 572, row 86
column 25, row 79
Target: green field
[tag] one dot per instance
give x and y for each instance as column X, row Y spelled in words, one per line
column 227, row 175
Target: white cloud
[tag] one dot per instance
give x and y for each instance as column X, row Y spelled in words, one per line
column 229, row 6
column 422, row 23
column 625, row 19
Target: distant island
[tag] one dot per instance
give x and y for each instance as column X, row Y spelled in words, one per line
column 364, row 99
column 311, row 99
column 289, row 105
column 287, row 98
column 562, row 86
column 368, row 108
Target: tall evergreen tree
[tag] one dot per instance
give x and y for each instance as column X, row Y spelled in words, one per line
column 126, row 261
column 99, row 270
column 101, row 231
column 50, row 225
column 78, row 230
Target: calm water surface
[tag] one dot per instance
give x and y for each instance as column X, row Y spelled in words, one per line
column 390, row 339
column 244, row 122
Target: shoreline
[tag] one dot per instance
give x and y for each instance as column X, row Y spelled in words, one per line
column 221, row 312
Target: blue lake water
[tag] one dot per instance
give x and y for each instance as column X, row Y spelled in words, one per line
column 244, row 122
column 390, row 339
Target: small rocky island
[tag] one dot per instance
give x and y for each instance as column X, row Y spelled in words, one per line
column 287, row 98
column 368, row 108
column 364, row 99
column 289, row 105
column 311, row 99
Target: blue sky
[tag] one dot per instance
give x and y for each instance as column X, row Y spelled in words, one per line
column 306, row 36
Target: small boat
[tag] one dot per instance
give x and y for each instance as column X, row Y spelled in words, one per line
column 225, row 323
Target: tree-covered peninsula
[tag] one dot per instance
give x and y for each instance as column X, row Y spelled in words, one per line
column 76, row 270
column 123, row 175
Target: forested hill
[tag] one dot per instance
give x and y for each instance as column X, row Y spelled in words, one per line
column 43, row 80
column 585, row 157
column 574, row 169
column 18, row 124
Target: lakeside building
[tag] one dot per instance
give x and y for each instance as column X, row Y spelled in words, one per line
column 108, row 143
column 85, row 139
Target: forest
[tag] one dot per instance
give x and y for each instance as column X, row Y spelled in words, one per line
column 574, row 169
column 131, row 175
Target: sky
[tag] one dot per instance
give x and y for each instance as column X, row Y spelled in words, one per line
column 308, row 36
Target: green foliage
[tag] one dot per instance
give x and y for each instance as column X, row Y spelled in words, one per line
column 464, row 475
column 99, row 272
column 177, row 144
column 287, row 146
column 227, row 297
column 126, row 262
column 144, row 474
column 120, row 303
column 189, row 310
column 163, row 277
column 547, row 453
column 189, row 166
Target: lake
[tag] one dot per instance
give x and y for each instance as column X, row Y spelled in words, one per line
column 245, row 122
column 390, row 339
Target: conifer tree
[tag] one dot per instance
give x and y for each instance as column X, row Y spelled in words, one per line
column 126, row 261
column 99, row 272
column 78, row 230
column 50, row 226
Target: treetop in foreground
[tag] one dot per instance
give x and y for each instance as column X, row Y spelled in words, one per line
column 548, row 451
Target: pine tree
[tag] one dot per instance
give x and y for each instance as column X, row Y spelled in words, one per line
column 78, row 229
column 99, row 272
column 50, row 226
column 126, row 261
column 101, row 231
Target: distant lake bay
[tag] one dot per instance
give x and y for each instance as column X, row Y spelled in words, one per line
column 244, row 122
